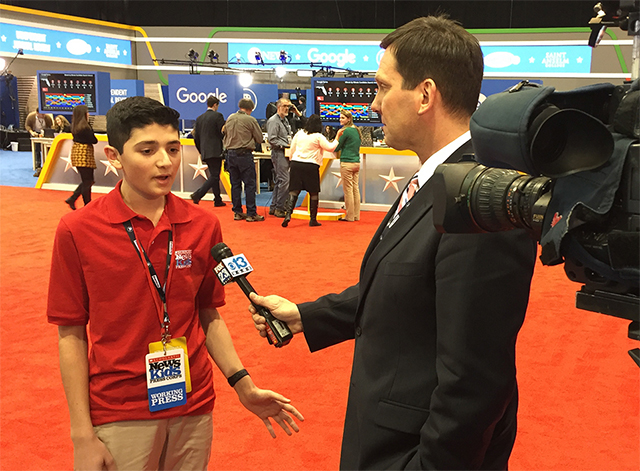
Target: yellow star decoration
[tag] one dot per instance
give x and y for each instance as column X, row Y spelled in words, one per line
column 391, row 180
column 69, row 165
column 337, row 174
column 199, row 169
column 109, row 168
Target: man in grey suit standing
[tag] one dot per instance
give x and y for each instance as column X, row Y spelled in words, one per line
column 279, row 135
column 208, row 139
column 434, row 316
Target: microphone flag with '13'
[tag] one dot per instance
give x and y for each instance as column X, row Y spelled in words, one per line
column 234, row 268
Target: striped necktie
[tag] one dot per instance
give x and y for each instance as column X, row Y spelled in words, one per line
column 408, row 193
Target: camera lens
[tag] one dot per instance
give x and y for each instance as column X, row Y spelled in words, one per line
column 501, row 199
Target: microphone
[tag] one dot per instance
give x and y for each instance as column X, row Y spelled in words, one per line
column 233, row 268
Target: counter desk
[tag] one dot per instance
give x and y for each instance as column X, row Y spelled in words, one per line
column 383, row 174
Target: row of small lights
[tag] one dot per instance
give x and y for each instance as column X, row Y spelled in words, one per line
column 245, row 78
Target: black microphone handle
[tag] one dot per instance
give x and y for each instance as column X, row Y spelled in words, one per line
column 278, row 331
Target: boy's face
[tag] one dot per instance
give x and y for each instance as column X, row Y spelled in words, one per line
column 149, row 161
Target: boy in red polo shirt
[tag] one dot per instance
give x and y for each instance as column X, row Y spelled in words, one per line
column 134, row 269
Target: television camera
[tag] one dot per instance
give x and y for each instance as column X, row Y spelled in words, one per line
column 565, row 167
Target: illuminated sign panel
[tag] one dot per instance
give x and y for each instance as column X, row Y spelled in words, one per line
column 63, row 45
column 331, row 95
column 343, row 56
column 516, row 60
column 523, row 60
column 60, row 92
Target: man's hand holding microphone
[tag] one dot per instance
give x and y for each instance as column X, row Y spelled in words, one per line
column 281, row 308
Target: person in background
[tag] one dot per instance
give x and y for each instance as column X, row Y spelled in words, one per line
column 307, row 149
column 329, row 132
column 435, row 317
column 116, row 326
column 82, row 154
column 36, row 123
column 241, row 134
column 61, row 124
column 208, row 139
column 349, row 140
column 296, row 119
column 279, row 136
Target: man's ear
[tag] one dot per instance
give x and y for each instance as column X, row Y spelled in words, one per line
column 427, row 89
column 113, row 155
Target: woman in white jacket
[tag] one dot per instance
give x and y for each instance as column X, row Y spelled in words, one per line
column 307, row 149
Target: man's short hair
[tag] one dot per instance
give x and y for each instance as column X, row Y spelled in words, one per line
column 441, row 49
column 282, row 101
column 212, row 101
column 246, row 104
column 137, row 112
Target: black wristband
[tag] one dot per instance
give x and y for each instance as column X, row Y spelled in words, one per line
column 235, row 377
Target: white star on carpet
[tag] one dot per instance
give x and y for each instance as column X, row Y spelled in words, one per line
column 58, row 45
column 337, row 174
column 579, row 60
column 110, row 168
column 391, row 180
column 199, row 169
column 97, row 48
column 532, row 60
column 69, row 164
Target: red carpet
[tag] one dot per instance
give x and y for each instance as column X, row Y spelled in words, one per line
column 578, row 386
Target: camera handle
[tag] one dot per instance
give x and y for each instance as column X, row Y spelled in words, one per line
column 623, row 306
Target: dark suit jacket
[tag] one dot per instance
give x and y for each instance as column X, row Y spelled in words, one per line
column 435, row 319
column 208, row 134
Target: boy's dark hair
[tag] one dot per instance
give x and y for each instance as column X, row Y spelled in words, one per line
column 246, row 104
column 441, row 49
column 137, row 112
column 212, row 100
column 313, row 124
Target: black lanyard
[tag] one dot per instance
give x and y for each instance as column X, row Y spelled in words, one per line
column 154, row 276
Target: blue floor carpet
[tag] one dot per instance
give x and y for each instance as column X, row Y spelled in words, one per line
column 16, row 169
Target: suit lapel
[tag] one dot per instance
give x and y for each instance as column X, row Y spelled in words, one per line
column 418, row 207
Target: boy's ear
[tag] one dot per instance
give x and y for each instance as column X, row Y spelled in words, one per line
column 113, row 155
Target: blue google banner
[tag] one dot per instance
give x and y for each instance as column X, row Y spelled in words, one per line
column 63, row 45
column 188, row 94
column 515, row 60
column 523, row 60
column 355, row 57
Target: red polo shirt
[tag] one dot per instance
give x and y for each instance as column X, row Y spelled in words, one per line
column 98, row 279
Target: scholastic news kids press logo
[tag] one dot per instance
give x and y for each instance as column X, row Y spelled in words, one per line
column 183, row 259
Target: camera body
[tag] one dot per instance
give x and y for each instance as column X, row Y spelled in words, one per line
column 565, row 167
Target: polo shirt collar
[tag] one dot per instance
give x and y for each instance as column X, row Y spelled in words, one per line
column 118, row 212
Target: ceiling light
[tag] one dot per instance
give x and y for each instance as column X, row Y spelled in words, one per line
column 245, row 79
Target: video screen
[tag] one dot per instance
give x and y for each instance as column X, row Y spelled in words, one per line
column 63, row 91
column 355, row 95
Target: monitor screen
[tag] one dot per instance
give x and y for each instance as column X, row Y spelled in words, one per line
column 61, row 92
column 353, row 94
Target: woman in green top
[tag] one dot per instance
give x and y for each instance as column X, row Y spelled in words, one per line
column 349, row 139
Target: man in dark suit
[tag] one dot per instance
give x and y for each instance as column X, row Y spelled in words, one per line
column 434, row 316
column 208, row 139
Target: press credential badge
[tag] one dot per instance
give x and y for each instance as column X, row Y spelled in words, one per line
column 166, row 379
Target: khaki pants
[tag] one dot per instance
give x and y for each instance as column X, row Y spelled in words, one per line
column 181, row 443
column 349, row 171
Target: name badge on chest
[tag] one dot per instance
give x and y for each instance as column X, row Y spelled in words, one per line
column 166, row 379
